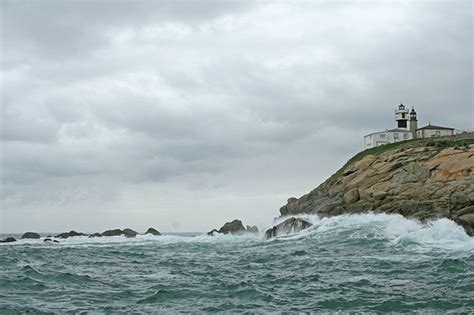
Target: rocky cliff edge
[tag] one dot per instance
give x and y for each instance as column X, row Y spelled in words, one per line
column 422, row 179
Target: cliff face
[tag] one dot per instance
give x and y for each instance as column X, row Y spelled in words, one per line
column 423, row 179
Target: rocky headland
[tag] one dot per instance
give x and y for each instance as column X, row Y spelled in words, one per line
column 421, row 179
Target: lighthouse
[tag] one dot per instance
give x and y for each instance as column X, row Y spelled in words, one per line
column 413, row 122
column 401, row 116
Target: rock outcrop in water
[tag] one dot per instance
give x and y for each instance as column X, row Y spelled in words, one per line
column 422, row 179
column 129, row 232
column 152, row 231
column 31, row 235
column 114, row 232
column 117, row 232
column 289, row 226
column 46, row 240
column 8, row 240
column 70, row 234
column 235, row 227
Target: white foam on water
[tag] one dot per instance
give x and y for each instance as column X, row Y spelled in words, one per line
column 439, row 233
column 138, row 240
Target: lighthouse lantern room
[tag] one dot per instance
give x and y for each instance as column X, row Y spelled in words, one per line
column 401, row 116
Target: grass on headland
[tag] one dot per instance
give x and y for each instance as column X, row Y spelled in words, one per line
column 459, row 140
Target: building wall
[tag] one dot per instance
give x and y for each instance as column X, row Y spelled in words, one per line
column 380, row 138
column 428, row 133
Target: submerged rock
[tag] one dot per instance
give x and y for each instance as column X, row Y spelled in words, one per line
column 8, row 240
column 50, row 240
column 152, row 231
column 70, row 234
column 31, row 235
column 289, row 226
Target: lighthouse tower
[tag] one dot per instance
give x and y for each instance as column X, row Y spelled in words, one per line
column 401, row 116
column 413, row 122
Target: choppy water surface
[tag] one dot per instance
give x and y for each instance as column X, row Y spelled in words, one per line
column 368, row 263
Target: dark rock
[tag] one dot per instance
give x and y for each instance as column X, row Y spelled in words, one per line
column 467, row 222
column 213, row 232
column 234, row 227
column 31, row 235
column 95, row 235
column 50, row 240
column 8, row 240
column 115, row 232
column 289, row 226
column 152, row 231
column 129, row 233
column 70, row 234
column 252, row 229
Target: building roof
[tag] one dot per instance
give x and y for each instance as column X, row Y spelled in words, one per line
column 430, row 126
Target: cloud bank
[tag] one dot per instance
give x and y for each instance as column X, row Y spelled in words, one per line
column 182, row 115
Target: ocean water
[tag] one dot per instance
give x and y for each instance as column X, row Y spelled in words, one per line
column 360, row 263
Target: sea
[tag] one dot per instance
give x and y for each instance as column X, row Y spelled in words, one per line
column 366, row 263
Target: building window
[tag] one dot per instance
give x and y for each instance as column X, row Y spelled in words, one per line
column 382, row 136
column 405, row 136
column 395, row 136
column 438, row 133
column 403, row 115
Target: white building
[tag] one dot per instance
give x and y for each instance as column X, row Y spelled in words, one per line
column 434, row 131
column 405, row 131
column 389, row 136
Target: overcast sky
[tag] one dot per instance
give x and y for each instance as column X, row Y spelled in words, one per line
column 183, row 115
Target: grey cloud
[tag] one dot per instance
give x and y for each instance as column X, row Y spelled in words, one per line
column 211, row 98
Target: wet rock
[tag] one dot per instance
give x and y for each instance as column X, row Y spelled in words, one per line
column 95, row 235
column 50, row 240
column 289, row 226
column 235, row 228
column 252, row 229
column 467, row 222
column 129, row 232
column 8, row 240
column 114, row 232
column 152, row 231
column 213, row 232
column 70, row 234
column 31, row 235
